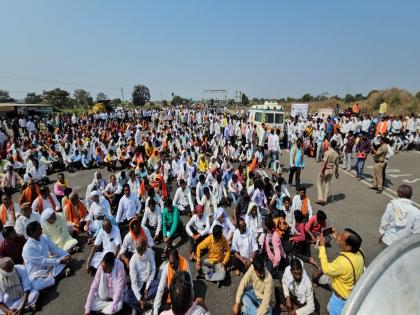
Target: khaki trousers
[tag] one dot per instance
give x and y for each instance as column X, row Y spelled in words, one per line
column 378, row 178
column 324, row 180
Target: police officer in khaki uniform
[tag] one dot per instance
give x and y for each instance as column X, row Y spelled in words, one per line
column 329, row 167
column 379, row 156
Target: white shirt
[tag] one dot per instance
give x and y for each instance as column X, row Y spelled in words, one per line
column 153, row 218
column 134, row 185
column 37, row 258
column 22, row 222
column 128, row 207
column 202, row 226
column 297, row 205
column 162, row 284
column 109, row 241
column 183, row 199
column 129, row 245
column 401, row 219
column 365, row 125
column 245, row 244
column 234, row 187
column 142, row 270
column 111, row 189
column 209, row 204
column 254, row 224
column 227, row 226
column 302, row 291
column 46, row 203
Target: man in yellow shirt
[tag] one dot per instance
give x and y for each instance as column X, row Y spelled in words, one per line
column 214, row 268
column 345, row 270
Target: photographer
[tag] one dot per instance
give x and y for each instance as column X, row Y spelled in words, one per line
column 345, row 270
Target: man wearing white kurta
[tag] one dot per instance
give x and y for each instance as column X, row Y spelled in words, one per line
column 152, row 219
column 16, row 292
column 27, row 216
column 182, row 199
column 142, row 276
column 129, row 205
column 110, row 239
column 244, row 247
column 129, row 244
column 44, row 260
column 48, row 200
column 400, row 219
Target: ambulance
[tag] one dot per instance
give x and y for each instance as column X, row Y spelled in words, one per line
column 270, row 113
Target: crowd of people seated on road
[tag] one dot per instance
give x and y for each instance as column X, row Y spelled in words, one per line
column 179, row 175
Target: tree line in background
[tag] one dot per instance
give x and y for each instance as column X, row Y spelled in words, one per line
column 80, row 99
column 141, row 95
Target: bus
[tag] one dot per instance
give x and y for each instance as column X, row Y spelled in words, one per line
column 270, row 113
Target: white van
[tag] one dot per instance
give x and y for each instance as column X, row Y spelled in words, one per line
column 271, row 113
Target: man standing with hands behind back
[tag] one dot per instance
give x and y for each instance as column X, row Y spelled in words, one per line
column 329, row 167
column 379, row 156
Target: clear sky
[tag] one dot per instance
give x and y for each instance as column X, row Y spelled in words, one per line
column 265, row 48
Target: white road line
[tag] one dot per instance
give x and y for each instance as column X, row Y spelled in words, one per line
column 385, row 188
column 399, row 175
column 367, row 184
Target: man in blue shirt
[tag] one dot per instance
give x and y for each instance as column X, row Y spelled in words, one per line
column 296, row 162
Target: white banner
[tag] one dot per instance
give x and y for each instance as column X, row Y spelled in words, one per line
column 299, row 110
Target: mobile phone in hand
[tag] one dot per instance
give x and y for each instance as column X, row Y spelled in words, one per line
column 328, row 231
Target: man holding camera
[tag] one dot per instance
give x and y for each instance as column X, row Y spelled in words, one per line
column 345, row 270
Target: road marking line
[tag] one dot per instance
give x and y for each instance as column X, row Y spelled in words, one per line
column 385, row 188
column 411, row 181
column 399, row 175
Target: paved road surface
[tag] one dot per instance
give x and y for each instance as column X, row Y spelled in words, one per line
column 354, row 206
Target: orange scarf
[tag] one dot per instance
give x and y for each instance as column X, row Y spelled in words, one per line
column 304, row 208
column 3, row 213
column 280, row 231
column 40, row 207
column 133, row 235
column 71, row 211
column 142, row 189
column 183, row 264
column 27, row 194
column 253, row 164
column 159, row 178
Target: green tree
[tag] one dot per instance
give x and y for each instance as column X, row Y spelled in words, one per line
column 101, row 97
column 349, row 98
column 164, row 103
column 371, row 92
column 116, row 101
column 359, row 97
column 418, row 95
column 56, row 97
column 245, row 100
column 307, row 97
column 33, row 98
column 5, row 97
column 177, row 100
column 140, row 95
column 83, row 98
